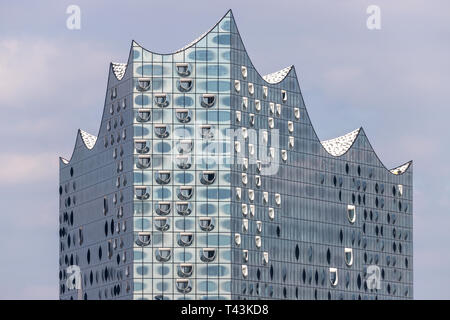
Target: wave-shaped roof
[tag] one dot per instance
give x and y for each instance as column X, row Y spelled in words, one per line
column 277, row 76
column 338, row 146
column 88, row 139
column 401, row 169
column 119, row 69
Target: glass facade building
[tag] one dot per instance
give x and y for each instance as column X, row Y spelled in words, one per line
column 207, row 181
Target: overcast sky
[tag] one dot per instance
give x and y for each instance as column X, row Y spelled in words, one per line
column 394, row 82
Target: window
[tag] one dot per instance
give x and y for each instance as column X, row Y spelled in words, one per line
column 258, row 166
column 162, row 177
column 208, row 100
column 257, row 105
column 265, row 92
column 348, row 252
column 244, row 271
column 277, row 198
column 272, row 153
column 163, row 254
column 251, row 119
column 141, row 192
column 206, row 223
column 185, row 239
column 207, row 177
column 334, row 277
column 237, row 146
column 251, row 195
column 252, row 210
column 258, row 241
column 278, row 109
column 143, row 84
column 143, row 239
column 251, row 88
column 244, row 209
column 161, row 100
column 251, row 149
column 272, row 107
column 238, row 193
column 297, row 113
column 284, row 95
column 244, row 102
column 259, row 226
column 400, row 190
column 183, row 69
column 208, row 254
column 183, row 208
column 237, row 85
column 238, row 116
column 244, row 178
column 351, row 213
column 144, row 161
column 185, row 192
column 184, row 285
column 183, row 115
column 163, row 208
column 184, row 84
column 245, row 164
column 113, row 93
column 284, row 155
column 244, row 72
column 244, row 225
column 237, row 239
column 258, row 181
column 185, row 270
column 291, row 142
column 265, row 197
column 271, row 123
column 161, row 130
column 271, row 213
column 245, row 255
column 161, row 223
column 290, row 126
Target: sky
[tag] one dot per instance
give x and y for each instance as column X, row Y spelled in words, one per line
column 394, row 82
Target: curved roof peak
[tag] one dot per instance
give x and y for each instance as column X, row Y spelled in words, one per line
column 401, row 169
column 338, row 146
column 88, row 139
column 119, row 69
column 278, row 76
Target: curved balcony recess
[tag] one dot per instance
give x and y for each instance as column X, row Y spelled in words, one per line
column 143, row 84
column 141, row 146
column 162, row 177
column 185, row 270
column 144, row 161
column 143, row 239
column 144, row 115
column 183, row 69
column 185, row 192
column 161, row 223
column 163, row 254
column 183, row 208
column 185, row 239
column 208, row 254
column 208, row 100
column 207, row 177
column 163, row 208
column 161, row 100
column 183, row 115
